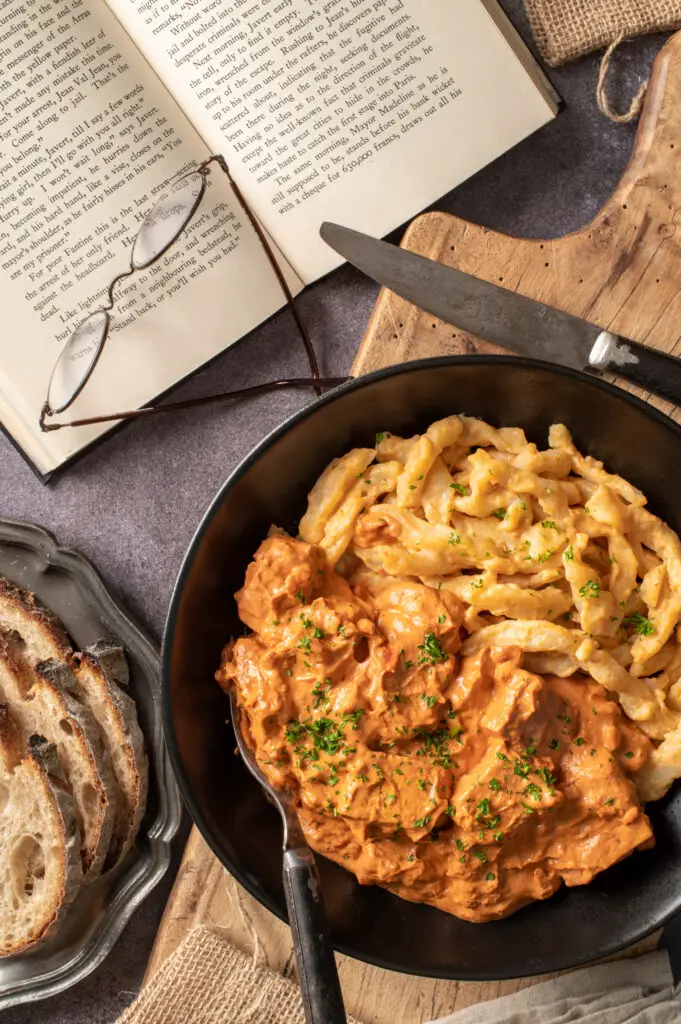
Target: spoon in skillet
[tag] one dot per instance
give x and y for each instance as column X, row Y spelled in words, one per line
column 319, row 984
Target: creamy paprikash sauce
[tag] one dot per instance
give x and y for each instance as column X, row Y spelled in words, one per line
column 470, row 784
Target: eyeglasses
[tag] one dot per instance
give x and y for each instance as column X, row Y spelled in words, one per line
column 158, row 232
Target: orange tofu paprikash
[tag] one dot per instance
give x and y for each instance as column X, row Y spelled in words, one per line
column 468, row 783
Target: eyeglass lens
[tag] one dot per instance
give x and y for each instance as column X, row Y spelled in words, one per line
column 167, row 220
column 77, row 360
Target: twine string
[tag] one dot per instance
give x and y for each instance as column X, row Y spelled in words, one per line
column 601, row 95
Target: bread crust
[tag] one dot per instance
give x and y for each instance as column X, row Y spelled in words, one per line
column 36, row 776
column 101, row 672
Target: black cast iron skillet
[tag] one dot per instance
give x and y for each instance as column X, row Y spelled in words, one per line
column 625, row 903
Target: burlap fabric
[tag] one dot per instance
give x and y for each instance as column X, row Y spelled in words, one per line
column 566, row 29
column 209, row 981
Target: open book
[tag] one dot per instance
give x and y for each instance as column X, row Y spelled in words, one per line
column 356, row 111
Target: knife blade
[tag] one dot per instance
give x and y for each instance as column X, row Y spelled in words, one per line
column 504, row 317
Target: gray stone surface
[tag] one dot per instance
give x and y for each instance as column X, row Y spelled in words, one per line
column 132, row 504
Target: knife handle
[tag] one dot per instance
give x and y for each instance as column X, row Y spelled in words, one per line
column 646, row 367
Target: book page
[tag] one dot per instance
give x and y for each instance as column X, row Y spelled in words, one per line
column 359, row 111
column 88, row 139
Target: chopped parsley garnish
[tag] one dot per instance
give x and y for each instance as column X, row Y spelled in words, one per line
column 489, row 877
column 477, row 582
column 527, row 810
column 429, row 700
column 533, row 791
column 564, row 718
column 341, row 630
column 421, row 784
column 362, row 777
column 629, row 753
column 547, row 776
column 481, row 856
column 610, row 801
column 642, row 625
column 459, row 488
column 300, row 596
column 320, row 692
column 592, row 588
column 318, row 634
column 497, row 836
column 502, row 757
column 460, row 846
column 569, row 554
column 483, row 809
column 455, row 538
column 548, row 524
column 530, row 751
column 544, row 557
column 441, row 619
column 579, row 742
column 521, row 768
column 422, row 822
column 500, row 513
column 412, row 487
column 494, row 785
column 553, row 744
column 326, row 735
column 305, row 644
column 432, row 649
column 450, row 811
column 408, row 664
column 352, row 716
column 379, row 437
column 410, row 858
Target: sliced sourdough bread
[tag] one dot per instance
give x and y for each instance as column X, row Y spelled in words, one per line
column 40, row 866
column 100, row 672
column 43, row 635
column 42, row 703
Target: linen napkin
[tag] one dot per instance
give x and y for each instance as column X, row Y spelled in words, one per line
column 208, row 981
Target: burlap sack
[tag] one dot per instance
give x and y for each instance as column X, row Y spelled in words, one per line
column 566, row 29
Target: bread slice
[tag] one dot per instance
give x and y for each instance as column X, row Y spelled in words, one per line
column 42, row 702
column 100, row 672
column 43, row 635
column 40, row 868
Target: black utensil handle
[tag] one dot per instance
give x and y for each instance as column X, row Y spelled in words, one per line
column 320, row 987
column 646, row 367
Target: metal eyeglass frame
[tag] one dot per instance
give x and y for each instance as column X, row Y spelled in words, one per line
column 315, row 381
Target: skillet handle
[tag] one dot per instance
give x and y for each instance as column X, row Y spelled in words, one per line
column 646, row 367
column 320, row 987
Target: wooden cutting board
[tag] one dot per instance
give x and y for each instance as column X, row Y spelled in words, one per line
column 622, row 271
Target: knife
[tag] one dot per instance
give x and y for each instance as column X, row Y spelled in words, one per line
column 504, row 317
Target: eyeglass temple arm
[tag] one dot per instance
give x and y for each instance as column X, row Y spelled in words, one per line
column 312, row 358
column 226, row 396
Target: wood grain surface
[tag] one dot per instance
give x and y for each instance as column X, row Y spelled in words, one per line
column 623, row 272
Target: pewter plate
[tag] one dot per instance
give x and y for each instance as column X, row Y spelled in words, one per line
column 67, row 584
